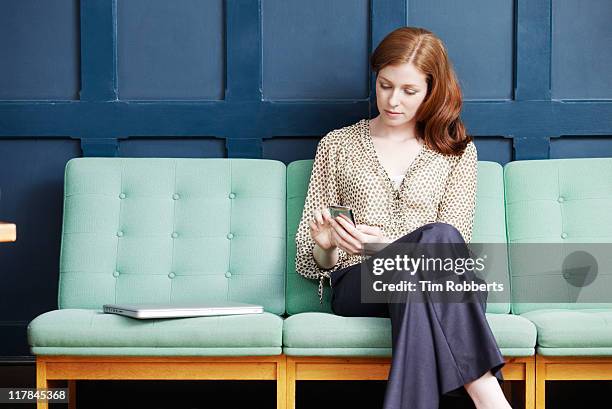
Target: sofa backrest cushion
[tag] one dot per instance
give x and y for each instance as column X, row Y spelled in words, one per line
column 558, row 206
column 490, row 230
column 141, row 230
column 301, row 292
column 489, row 227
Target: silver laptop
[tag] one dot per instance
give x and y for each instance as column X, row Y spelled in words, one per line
column 147, row 311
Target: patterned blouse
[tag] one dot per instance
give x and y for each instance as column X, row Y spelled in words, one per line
column 347, row 172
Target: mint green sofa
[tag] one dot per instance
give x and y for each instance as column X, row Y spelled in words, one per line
column 313, row 330
column 320, row 345
column 170, row 231
column 569, row 202
column 176, row 230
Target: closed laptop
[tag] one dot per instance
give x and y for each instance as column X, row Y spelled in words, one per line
column 148, row 311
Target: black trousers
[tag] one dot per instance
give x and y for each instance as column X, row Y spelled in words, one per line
column 437, row 346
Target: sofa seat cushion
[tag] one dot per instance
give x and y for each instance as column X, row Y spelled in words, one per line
column 330, row 334
column 573, row 332
column 92, row 332
column 515, row 335
column 323, row 334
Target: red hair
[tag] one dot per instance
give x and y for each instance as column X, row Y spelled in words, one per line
column 437, row 119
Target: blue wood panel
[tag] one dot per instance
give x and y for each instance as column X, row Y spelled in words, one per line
column 14, row 344
column 172, row 148
column 479, row 38
column 124, row 119
column 32, row 182
column 98, row 57
column 315, row 50
column 532, row 69
column 40, row 50
column 494, row 149
column 581, row 147
column 583, row 118
column 170, row 49
column 386, row 16
column 243, row 27
column 581, row 51
column 120, row 120
column 290, row 149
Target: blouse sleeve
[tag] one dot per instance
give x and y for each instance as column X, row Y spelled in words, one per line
column 459, row 199
column 322, row 192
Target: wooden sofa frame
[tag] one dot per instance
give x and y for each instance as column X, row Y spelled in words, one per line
column 569, row 368
column 285, row 370
column 340, row 368
column 51, row 370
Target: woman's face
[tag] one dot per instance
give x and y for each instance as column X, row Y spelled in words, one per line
column 400, row 90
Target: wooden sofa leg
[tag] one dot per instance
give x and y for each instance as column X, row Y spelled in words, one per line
column 291, row 374
column 41, row 381
column 530, row 383
column 540, row 383
column 281, row 382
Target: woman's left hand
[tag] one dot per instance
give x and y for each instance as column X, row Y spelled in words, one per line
column 353, row 239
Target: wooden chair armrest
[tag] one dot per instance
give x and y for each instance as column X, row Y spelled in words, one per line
column 8, row 232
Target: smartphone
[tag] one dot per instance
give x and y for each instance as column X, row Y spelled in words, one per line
column 338, row 210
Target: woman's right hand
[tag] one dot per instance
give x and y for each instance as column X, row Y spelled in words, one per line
column 321, row 230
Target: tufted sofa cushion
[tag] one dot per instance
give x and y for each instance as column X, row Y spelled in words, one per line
column 565, row 332
column 172, row 231
column 323, row 334
column 566, row 204
column 91, row 332
column 301, row 292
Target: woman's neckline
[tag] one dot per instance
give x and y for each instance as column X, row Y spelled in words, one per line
column 381, row 168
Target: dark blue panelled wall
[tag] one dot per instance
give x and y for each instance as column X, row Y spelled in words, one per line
column 262, row 79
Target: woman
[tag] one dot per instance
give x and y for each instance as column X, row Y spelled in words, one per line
column 410, row 177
